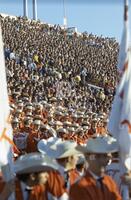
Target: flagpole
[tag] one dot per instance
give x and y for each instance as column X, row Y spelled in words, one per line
column 34, row 9
column 64, row 17
column 126, row 10
column 25, row 8
column 125, row 40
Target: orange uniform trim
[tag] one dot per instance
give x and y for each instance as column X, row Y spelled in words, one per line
column 4, row 136
column 128, row 124
column 125, row 66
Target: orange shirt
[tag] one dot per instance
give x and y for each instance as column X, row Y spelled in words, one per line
column 73, row 176
column 2, row 184
column 102, row 130
column 87, row 189
column 26, row 129
column 55, row 187
column 91, row 132
column 56, row 184
column 37, row 193
column 32, row 142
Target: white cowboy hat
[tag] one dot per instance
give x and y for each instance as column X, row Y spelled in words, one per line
column 58, row 123
column 80, row 113
column 48, row 105
column 28, row 104
column 48, row 146
column 67, row 123
column 86, row 116
column 58, row 113
column 79, row 129
column 51, row 123
column 37, row 122
column 46, row 126
column 75, row 125
column 60, row 108
column 20, row 104
column 29, row 107
column 99, row 145
column 18, row 111
column 44, row 102
column 62, row 130
column 79, row 116
column 33, row 162
column 71, row 129
column 65, row 149
column 75, row 115
column 53, row 99
column 85, row 123
column 85, row 127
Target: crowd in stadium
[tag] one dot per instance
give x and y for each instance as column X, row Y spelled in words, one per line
column 60, row 88
column 55, row 76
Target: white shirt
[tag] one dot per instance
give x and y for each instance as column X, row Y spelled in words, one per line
column 12, row 55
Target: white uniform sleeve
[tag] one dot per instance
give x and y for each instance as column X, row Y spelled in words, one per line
column 63, row 197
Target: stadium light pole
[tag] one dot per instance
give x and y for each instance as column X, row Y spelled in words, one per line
column 25, row 8
column 35, row 9
column 64, row 17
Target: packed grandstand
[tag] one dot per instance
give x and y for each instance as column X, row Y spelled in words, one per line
column 53, row 77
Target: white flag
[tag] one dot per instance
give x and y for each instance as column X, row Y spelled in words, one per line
column 125, row 120
column 5, row 127
column 120, row 118
column 122, row 57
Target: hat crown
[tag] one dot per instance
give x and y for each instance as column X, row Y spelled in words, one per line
column 65, row 146
column 53, row 140
column 61, row 130
column 101, row 145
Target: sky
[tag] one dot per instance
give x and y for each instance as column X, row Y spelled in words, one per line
column 100, row 17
